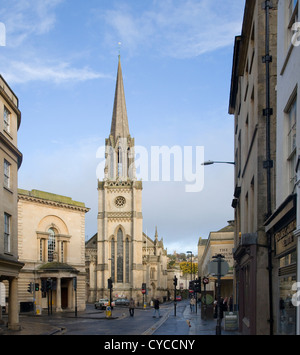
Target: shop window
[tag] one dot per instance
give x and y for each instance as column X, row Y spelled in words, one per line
column 287, row 311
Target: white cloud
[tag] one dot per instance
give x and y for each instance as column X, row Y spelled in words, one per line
column 22, row 72
column 24, row 18
column 179, row 28
column 22, row 61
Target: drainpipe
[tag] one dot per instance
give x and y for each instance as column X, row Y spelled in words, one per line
column 268, row 164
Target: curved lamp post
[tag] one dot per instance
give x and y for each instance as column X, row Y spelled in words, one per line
column 210, row 162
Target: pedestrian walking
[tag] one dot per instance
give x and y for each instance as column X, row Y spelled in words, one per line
column 156, row 308
column 131, row 307
column 192, row 304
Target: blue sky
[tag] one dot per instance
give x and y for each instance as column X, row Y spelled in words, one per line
column 61, row 60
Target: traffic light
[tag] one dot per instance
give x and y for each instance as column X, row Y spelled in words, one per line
column 192, row 285
column 30, row 287
column 49, row 284
column 44, row 285
column 197, row 285
column 54, row 283
column 175, row 281
column 109, row 282
column 37, row 287
column 144, row 288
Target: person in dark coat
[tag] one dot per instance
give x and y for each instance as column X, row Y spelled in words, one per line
column 131, row 307
column 156, row 308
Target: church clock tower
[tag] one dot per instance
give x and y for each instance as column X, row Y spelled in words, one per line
column 120, row 221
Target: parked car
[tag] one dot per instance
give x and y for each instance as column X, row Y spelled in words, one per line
column 103, row 303
column 122, row 302
column 178, row 298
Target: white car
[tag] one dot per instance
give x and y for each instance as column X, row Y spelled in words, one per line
column 103, row 303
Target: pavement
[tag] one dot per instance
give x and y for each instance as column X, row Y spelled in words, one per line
column 184, row 323
column 47, row 324
column 190, row 324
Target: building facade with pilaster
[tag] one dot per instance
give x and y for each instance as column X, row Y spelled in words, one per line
column 52, row 246
column 10, row 162
column 255, row 164
column 284, row 224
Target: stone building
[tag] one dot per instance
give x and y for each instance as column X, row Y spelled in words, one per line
column 219, row 242
column 284, row 224
column 255, row 162
column 155, row 274
column 121, row 243
column 54, row 228
column 10, row 162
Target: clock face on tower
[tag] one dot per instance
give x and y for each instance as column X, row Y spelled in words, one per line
column 120, row 201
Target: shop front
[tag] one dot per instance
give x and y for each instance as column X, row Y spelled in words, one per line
column 282, row 225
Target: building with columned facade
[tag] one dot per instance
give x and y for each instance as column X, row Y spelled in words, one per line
column 51, row 246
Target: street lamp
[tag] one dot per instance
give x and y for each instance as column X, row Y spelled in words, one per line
column 210, row 162
column 189, row 252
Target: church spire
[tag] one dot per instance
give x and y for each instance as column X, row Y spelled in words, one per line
column 120, row 164
column 119, row 124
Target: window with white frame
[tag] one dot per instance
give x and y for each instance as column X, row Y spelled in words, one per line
column 7, row 222
column 62, row 245
column 51, row 244
column 6, row 173
column 6, row 115
column 291, row 140
column 292, row 17
column 41, row 249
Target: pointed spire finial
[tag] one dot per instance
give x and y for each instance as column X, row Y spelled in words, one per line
column 119, row 126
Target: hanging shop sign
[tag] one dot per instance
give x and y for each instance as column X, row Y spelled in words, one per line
column 285, row 240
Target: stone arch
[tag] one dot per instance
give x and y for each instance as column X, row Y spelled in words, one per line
column 55, row 222
column 120, row 226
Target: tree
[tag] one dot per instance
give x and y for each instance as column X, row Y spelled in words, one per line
column 186, row 267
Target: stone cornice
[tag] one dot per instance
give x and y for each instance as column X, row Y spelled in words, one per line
column 12, row 148
column 52, row 203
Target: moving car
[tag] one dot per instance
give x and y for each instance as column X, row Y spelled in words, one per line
column 178, row 298
column 103, row 303
column 122, row 302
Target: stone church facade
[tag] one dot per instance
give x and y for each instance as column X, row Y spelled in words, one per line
column 120, row 250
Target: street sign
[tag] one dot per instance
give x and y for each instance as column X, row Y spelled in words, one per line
column 205, row 280
column 213, row 268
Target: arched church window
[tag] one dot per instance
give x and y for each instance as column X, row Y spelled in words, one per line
column 51, row 244
column 120, row 161
column 112, row 256
column 129, row 168
column 127, row 260
column 120, row 256
column 112, row 163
